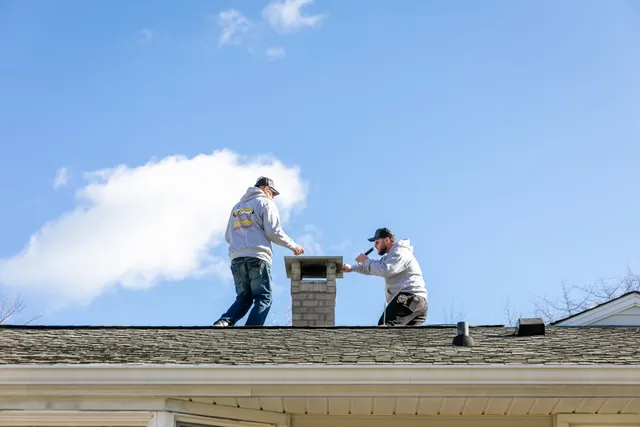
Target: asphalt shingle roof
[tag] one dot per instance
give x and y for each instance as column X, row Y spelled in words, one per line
column 340, row 345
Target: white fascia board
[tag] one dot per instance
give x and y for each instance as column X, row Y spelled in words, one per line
column 257, row 375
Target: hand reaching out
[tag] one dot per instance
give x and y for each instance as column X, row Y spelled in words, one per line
column 298, row 250
column 346, row 268
column 361, row 258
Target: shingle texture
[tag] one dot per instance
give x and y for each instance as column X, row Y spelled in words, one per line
column 286, row 345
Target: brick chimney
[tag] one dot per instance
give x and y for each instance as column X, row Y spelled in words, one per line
column 313, row 289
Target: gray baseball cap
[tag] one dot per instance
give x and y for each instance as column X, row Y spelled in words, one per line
column 381, row 233
column 267, row 182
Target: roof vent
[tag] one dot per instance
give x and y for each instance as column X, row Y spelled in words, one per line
column 527, row 327
column 463, row 339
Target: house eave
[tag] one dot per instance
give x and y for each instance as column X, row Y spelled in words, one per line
column 302, row 389
column 294, row 375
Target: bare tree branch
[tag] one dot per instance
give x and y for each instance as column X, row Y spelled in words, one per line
column 577, row 298
column 289, row 317
column 11, row 306
column 511, row 314
column 454, row 316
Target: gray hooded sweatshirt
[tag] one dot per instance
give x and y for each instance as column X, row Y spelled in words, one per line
column 400, row 270
column 253, row 224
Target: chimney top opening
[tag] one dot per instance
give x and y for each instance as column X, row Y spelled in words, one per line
column 312, row 267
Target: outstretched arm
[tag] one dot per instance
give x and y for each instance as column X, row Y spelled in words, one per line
column 387, row 266
column 273, row 228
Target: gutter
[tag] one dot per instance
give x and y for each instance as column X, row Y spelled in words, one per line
column 97, row 375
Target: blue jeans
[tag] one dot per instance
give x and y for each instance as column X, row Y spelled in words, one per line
column 252, row 277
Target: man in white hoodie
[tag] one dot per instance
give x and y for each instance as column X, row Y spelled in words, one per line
column 253, row 224
column 405, row 291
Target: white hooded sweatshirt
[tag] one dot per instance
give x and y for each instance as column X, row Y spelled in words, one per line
column 253, row 224
column 400, row 270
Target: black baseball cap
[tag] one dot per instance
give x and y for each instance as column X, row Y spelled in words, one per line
column 267, row 182
column 381, row 233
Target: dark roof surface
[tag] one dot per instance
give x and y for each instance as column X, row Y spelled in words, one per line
column 340, row 345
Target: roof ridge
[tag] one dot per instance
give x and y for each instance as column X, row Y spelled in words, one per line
column 204, row 327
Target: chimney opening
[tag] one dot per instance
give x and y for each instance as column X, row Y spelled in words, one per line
column 313, row 271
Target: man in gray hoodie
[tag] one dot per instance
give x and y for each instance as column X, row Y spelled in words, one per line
column 405, row 291
column 253, row 224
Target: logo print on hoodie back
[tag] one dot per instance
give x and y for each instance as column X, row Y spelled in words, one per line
column 242, row 218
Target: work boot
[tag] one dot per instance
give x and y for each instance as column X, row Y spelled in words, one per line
column 221, row 322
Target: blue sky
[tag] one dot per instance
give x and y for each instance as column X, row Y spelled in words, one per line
column 502, row 138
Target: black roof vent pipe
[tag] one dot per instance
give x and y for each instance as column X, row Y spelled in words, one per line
column 463, row 339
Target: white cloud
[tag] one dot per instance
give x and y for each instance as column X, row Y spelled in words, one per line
column 146, row 35
column 62, row 178
column 137, row 226
column 310, row 241
column 340, row 246
column 275, row 53
column 234, row 27
column 285, row 16
column 282, row 16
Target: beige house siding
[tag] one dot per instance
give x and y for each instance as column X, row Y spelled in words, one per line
column 418, row 421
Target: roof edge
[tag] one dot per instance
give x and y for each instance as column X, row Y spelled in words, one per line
column 256, row 375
